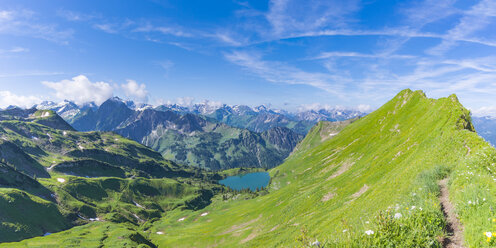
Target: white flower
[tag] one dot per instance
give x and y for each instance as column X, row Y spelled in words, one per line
column 397, row 215
column 420, row 208
column 316, row 243
column 345, row 230
column 413, row 207
column 469, row 202
column 369, row 232
column 489, row 234
column 484, row 199
column 366, row 222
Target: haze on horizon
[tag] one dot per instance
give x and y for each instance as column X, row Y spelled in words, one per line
column 286, row 53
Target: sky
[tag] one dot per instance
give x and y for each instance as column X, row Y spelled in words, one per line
column 288, row 54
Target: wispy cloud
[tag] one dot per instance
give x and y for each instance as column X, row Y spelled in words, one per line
column 14, row 50
column 327, row 55
column 107, row 28
column 167, row 30
column 277, row 72
column 477, row 18
column 291, row 16
column 25, row 23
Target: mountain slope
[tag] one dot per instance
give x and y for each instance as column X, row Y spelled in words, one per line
column 52, row 178
column 486, row 127
column 373, row 164
column 190, row 138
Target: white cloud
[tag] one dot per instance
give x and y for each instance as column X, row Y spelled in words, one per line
column 484, row 111
column 364, row 108
column 8, row 98
column 81, row 90
column 318, row 106
column 135, row 91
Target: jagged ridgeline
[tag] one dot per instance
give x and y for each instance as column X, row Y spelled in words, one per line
column 53, row 178
column 191, row 139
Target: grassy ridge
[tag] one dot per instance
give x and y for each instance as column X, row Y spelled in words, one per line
column 370, row 166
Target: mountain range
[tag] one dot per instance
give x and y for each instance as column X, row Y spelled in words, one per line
column 205, row 135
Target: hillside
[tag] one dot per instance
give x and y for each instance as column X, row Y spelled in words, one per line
column 53, row 178
column 189, row 138
column 379, row 173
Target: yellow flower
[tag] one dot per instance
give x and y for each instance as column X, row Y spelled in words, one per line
column 494, row 220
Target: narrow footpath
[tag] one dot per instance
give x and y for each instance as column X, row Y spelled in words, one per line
column 453, row 226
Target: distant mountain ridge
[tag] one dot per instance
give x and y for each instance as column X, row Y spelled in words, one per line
column 189, row 138
column 260, row 118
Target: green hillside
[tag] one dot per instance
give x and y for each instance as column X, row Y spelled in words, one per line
column 53, row 178
column 384, row 164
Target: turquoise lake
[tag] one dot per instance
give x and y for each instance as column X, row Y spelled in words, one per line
column 251, row 181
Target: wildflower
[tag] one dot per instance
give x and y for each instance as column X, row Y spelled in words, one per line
column 406, row 208
column 345, row 230
column 369, row 232
column 488, row 235
column 483, row 199
column 397, row 215
column 366, row 222
column 469, row 202
column 494, row 220
column 413, row 207
column 420, row 208
column 316, row 243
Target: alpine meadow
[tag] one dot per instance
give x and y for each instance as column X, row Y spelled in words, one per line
column 274, row 123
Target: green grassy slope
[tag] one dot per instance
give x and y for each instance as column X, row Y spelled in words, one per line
column 373, row 164
column 221, row 147
column 24, row 215
column 52, row 179
column 321, row 132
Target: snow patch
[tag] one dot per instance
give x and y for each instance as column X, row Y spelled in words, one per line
column 61, row 180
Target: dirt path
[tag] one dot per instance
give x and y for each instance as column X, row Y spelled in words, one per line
column 468, row 149
column 453, row 226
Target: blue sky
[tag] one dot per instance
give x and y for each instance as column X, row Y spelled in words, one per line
column 288, row 53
